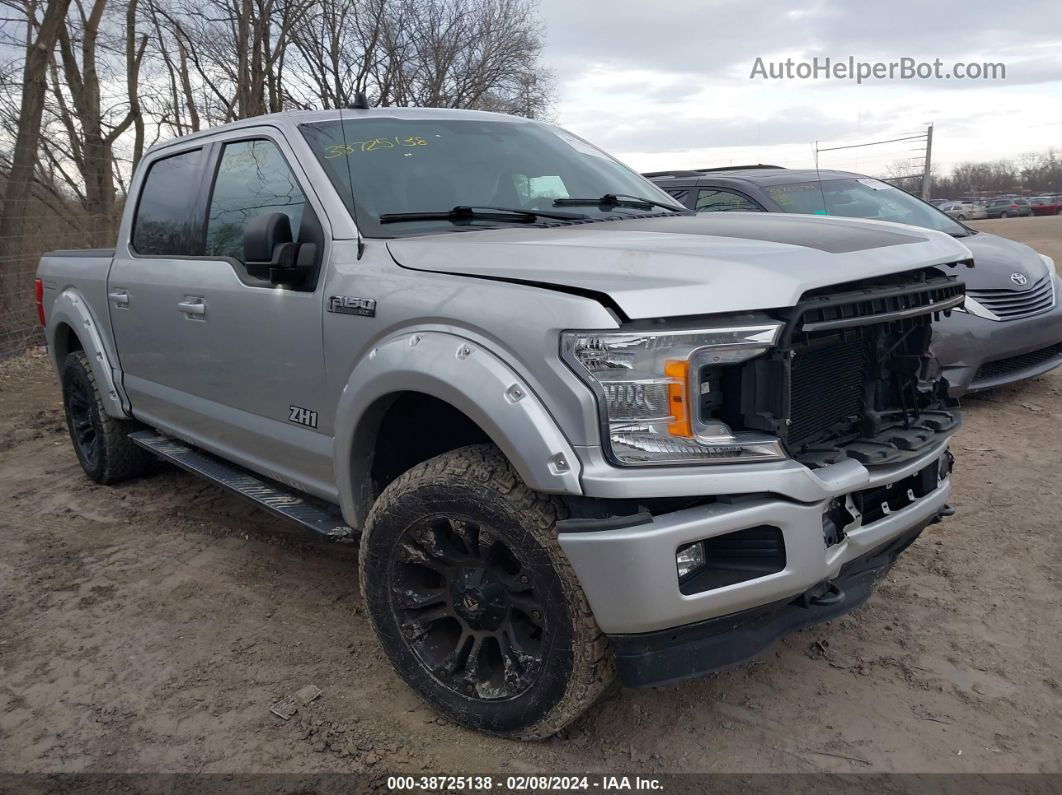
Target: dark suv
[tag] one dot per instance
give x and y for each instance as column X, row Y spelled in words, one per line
column 1011, row 327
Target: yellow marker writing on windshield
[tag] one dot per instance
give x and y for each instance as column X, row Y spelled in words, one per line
column 373, row 145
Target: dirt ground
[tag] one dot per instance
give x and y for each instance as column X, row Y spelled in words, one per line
column 150, row 627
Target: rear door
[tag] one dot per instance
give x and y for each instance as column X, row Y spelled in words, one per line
column 211, row 354
column 148, row 268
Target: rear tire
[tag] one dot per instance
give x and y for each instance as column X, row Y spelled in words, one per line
column 1004, row 214
column 960, row 217
column 474, row 602
column 101, row 442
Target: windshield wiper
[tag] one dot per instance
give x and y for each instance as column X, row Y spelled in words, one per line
column 465, row 213
column 617, row 200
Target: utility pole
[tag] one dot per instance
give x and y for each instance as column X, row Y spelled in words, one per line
column 926, row 178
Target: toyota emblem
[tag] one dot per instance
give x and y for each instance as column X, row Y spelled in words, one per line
column 1019, row 279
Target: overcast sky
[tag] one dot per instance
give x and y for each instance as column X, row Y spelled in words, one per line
column 666, row 84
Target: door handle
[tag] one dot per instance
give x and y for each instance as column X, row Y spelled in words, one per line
column 119, row 297
column 193, row 306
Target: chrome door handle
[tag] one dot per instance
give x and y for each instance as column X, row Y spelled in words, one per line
column 119, row 297
column 193, row 306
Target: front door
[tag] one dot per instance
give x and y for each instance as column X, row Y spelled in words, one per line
column 210, row 353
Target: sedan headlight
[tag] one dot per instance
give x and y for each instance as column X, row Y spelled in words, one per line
column 660, row 391
column 1050, row 263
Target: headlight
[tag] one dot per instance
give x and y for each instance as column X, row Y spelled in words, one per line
column 1050, row 263
column 660, row 391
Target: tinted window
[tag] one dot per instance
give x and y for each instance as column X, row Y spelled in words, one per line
column 166, row 212
column 722, row 201
column 253, row 178
column 862, row 197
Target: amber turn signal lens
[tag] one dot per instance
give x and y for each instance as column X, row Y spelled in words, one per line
column 676, row 393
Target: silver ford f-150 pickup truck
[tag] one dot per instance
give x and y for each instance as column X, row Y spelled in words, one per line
column 579, row 431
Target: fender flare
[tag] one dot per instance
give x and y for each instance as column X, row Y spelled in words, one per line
column 71, row 309
column 470, row 378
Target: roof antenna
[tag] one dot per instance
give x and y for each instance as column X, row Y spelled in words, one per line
column 361, row 102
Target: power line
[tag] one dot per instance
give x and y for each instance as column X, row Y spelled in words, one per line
column 918, row 154
column 871, row 143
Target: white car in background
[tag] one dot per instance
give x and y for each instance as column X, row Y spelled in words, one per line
column 963, row 211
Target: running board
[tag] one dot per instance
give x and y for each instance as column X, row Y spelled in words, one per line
column 267, row 494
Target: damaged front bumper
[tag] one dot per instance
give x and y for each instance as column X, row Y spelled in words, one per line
column 669, row 655
column 774, row 564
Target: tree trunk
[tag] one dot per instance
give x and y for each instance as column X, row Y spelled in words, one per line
column 24, row 158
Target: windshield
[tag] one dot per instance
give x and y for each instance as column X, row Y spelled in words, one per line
column 862, row 198
column 386, row 165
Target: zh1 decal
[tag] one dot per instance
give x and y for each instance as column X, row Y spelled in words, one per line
column 348, row 305
column 302, row 416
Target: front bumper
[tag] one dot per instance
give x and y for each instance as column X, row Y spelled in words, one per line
column 629, row 573
column 655, row 658
column 977, row 353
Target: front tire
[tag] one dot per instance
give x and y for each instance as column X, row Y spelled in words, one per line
column 100, row 441
column 474, row 602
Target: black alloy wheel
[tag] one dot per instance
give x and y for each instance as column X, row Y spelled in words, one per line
column 100, row 441
column 473, row 600
column 468, row 608
column 83, row 420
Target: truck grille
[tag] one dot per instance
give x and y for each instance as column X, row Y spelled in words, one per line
column 826, row 389
column 1007, row 304
column 860, row 383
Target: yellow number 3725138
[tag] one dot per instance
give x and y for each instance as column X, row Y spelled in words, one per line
column 374, row 144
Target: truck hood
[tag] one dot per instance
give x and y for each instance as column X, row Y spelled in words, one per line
column 686, row 265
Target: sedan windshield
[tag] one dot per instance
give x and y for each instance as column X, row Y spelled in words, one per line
column 413, row 173
column 862, row 198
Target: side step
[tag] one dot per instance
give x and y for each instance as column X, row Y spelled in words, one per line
column 267, row 494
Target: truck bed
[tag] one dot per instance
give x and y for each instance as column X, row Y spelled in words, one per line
column 87, row 253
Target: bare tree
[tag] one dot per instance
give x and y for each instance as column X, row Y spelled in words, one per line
column 461, row 54
column 41, row 38
column 445, row 53
column 176, row 101
column 89, row 118
column 338, row 43
column 231, row 55
column 102, row 80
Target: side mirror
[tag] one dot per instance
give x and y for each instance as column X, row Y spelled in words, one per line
column 269, row 252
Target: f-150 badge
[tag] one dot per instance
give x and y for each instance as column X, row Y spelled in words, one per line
column 349, row 305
